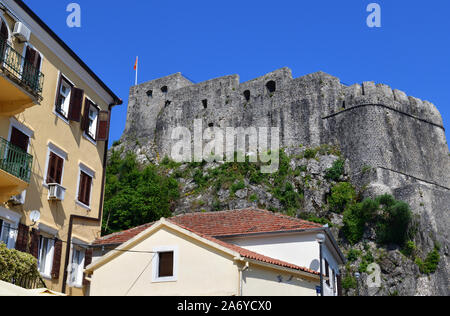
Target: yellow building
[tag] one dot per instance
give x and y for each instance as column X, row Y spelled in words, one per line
column 54, row 126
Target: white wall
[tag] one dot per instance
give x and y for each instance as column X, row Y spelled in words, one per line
column 300, row 249
column 259, row 281
column 202, row 270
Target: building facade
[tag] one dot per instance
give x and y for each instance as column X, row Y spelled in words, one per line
column 54, row 126
column 247, row 252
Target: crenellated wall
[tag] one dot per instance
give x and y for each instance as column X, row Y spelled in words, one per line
column 373, row 124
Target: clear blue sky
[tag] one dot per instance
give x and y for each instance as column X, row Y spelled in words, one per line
column 205, row 39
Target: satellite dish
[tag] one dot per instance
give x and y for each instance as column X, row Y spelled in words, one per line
column 35, row 216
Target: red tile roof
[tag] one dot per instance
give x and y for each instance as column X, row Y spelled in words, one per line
column 121, row 237
column 238, row 222
column 214, row 225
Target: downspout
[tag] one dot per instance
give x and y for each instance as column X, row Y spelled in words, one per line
column 91, row 219
column 241, row 279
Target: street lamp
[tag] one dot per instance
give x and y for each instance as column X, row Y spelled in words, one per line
column 320, row 238
column 357, row 276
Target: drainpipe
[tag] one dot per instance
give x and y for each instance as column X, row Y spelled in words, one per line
column 241, row 279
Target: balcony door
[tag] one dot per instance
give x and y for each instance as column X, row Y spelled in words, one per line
column 31, row 68
column 3, row 38
column 16, row 157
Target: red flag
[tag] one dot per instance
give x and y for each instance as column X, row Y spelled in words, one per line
column 136, row 64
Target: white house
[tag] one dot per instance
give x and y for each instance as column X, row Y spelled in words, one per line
column 248, row 252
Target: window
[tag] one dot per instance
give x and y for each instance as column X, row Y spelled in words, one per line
column 165, row 264
column 55, row 169
column 247, row 95
column 5, row 233
column 205, row 104
column 165, row 267
column 77, row 266
column 327, row 272
column 4, row 33
column 271, row 86
column 150, row 93
column 63, row 97
column 31, row 67
column 164, row 89
column 84, row 189
column 45, row 261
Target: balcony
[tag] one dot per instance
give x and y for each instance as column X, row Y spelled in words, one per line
column 15, row 170
column 21, row 82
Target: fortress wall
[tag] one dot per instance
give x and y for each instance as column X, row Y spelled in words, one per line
column 373, row 124
column 376, row 136
column 143, row 108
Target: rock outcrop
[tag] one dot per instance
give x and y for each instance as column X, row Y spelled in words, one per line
column 401, row 139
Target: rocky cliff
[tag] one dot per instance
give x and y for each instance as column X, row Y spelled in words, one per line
column 391, row 143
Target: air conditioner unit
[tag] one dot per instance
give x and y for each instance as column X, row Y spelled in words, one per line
column 56, row 192
column 22, row 32
column 18, row 199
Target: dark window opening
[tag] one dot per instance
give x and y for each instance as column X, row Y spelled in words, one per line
column 150, row 93
column 247, row 95
column 164, row 89
column 327, row 272
column 271, row 86
column 205, row 104
column 168, row 103
column 211, row 124
column 84, row 190
column 165, row 267
column 343, row 105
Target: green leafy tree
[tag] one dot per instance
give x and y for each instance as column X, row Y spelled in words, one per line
column 135, row 196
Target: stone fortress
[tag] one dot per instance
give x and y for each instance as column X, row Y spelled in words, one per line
column 400, row 137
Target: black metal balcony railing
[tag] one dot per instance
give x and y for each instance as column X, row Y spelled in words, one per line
column 15, row 161
column 22, row 71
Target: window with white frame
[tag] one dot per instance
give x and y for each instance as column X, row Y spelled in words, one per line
column 45, row 261
column 92, row 122
column 7, row 234
column 85, row 182
column 77, row 266
column 165, row 264
column 63, row 97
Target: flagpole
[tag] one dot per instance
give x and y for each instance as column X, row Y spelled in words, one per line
column 137, row 68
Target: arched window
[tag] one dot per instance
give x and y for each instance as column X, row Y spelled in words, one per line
column 271, row 86
column 247, row 95
column 4, row 32
column 150, row 93
column 164, row 89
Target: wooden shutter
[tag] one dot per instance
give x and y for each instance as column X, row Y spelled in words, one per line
column 22, row 238
column 165, row 264
column 76, row 103
column 55, row 168
column 35, row 240
column 84, row 192
column 87, row 261
column 103, row 126
column 56, row 267
column 85, row 120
